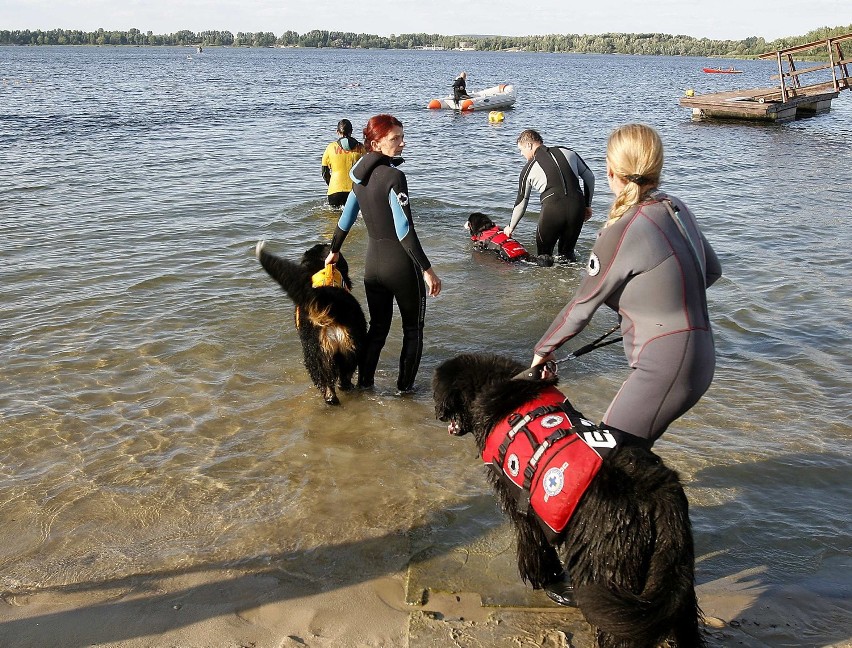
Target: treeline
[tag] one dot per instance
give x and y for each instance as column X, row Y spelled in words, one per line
column 133, row 37
column 599, row 43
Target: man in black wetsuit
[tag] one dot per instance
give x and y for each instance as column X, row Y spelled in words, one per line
column 554, row 172
column 460, row 87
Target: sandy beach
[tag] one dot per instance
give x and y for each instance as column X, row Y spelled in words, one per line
column 473, row 600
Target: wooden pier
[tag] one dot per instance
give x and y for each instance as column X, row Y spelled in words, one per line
column 789, row 100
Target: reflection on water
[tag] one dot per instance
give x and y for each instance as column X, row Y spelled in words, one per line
column 156, row 413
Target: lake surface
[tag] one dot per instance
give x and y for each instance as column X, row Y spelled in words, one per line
column 155, row 412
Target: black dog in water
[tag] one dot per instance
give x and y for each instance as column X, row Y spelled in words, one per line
column 627, row 545
column 330, row 321
column 487, row 236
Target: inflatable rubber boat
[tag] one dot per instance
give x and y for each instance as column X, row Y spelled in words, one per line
column 498, row 97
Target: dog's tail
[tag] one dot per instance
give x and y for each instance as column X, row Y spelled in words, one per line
column 667, row 603
column 293, row 277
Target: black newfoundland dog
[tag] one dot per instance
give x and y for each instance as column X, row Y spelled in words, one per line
column 627, row 548
column 488, row 237
column 330, row 321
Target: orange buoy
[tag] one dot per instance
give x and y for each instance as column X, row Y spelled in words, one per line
column 434, row 104
column 467, row 104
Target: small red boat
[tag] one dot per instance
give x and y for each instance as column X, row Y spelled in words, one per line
column 722, row 71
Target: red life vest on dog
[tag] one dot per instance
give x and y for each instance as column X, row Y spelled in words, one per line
column 495, row 239
column 540, row 455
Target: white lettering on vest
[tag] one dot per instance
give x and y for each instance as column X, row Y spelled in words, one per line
column 599, row 438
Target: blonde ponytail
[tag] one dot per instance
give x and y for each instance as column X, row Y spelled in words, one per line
column 634, row 153
column 629, row 196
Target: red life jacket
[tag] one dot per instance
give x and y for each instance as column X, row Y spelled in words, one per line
column 540, row 455
column 495, row 239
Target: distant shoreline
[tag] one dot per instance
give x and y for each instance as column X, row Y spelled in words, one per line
column 608, row 43
column 423, row 49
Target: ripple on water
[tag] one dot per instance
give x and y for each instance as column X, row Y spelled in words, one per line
column 157, row 415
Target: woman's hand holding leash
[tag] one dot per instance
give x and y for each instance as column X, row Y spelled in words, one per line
column 542, row 368
column 546, row 367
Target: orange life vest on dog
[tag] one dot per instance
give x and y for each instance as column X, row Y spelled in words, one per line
column 328, row 276
column 495, row 239
column 540, row 455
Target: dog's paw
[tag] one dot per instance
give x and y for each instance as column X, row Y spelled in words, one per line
column 257, row 248
column 561, row 591
column 329, row 396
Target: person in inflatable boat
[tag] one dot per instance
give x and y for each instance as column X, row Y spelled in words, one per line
column 460, row 87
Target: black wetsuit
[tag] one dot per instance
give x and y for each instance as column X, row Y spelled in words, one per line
column 460, row 89
column 555, row 173
column 393, row 269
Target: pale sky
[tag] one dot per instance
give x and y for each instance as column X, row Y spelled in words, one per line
column 721, row 19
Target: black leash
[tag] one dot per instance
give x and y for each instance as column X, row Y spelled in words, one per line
column 535, row 373
column 594, row 344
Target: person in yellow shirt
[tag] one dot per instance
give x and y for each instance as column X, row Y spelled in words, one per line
column 339, row 157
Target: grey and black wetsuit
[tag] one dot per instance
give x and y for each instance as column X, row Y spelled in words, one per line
column 644, row 268
column 393, row 269
column 554, row 172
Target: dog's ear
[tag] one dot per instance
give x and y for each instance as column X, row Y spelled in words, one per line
column 314, row 257
column 447, row 400
column 446, row 392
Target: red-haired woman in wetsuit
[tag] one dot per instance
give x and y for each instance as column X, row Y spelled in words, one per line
column 396, row 267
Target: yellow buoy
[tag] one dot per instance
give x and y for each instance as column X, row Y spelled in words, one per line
column 689, row 92
column 495, row 116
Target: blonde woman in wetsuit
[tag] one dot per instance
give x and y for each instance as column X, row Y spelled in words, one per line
column 652, row 265
column 396, row 267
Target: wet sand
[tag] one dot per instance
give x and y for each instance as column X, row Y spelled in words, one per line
column 464, row 595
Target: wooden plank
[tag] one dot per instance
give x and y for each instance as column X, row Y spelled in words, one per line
column 806, row 46
column 784, row 102
column 794, row 72
column 761, row 104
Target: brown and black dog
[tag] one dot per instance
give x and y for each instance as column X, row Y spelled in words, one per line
column 330, row 321
column 625, row 555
